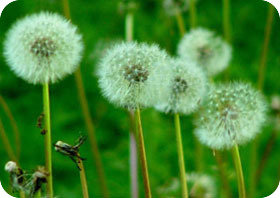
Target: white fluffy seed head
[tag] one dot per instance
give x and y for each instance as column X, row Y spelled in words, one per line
column 233, row 113
column 43, row 48
column 11, row 167
column 172, row 7
column 128, row 75
column 184, row 87
column 201, row 185
column 207, row 49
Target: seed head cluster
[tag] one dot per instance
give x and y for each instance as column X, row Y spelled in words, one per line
column 233, row 114
column 43, row 48
column 184, row 87
column 128, row 74
column 205, row 48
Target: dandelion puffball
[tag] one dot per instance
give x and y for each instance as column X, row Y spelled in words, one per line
column 172, row 7
column 201, row 185
column 208, row 50
column 11, row 167
column 184, row 88
column 233, row 114
column 43, row 48
column 128, row 75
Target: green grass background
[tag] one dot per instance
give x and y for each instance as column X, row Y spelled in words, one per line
column 100, row 20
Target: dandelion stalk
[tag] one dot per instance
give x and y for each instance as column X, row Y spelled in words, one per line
column 192, row 13
column 132, row 138
column 48, row 141
column 142, row 154
column 38, row 194
column 239, row 172
column 180, row 156
column 6, row 143
column 262, row 68
column 88, row 119
column 180, row 22
column 83, row 179
column 226, row 20
column 222, row 172
column 13, row 124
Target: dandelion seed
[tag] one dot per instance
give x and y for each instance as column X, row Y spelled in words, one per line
column 16, row 175
column 233, row 114
column 128, row 75
column 205, row 48
column 43, row 48
column 184, row 88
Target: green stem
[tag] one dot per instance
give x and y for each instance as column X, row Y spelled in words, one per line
column 13, row 124
column 48, row 140
column 192, row 13
column 183, row 177
column 239, row 172
column 83, row 179
column 6, row 143
column 180, row 22
column 38, row 194
column 88, row 119
column 226, row 20
column 222, row 172
column 262, row 68
column 129, row 26
column 142, row 154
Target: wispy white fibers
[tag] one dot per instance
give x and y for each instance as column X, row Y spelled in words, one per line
column 184, row 87
column 128, row 74
column 43, row 48
column 233, row 113
column 208, row 50
column 201, row 185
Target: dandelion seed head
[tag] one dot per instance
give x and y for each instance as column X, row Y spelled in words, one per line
column 43, row 48
column 172, row 7
column 233, row 113
column 201, row 185
column 128, row 75
column 11, row 167
column 207, row 49
column 184, row 88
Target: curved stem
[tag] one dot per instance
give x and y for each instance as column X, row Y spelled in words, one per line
column 6, row 143
column 142, row 154
column 88, row 119
column 180, row 22
column 48, row 140
column 180, row 152
column 13, row 124
column 192, row 13
column 83, row 179
column 262, row 68
column 239, row 172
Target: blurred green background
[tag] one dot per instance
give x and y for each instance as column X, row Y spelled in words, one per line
column 100, row 22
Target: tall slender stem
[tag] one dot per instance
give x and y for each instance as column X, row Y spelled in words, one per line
column 239, row 171
column 88, row 119
column 13, row 124
column 226, row 20
column 267, row 36
column 6, row 143
column 192, row 13
column 225, row 183
column 133, row 161
column 48, row 140
column 83, row 179
column 262, row 68
column 38, row 194
column 142, row 154
column 180, row 152
column 180, row 22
